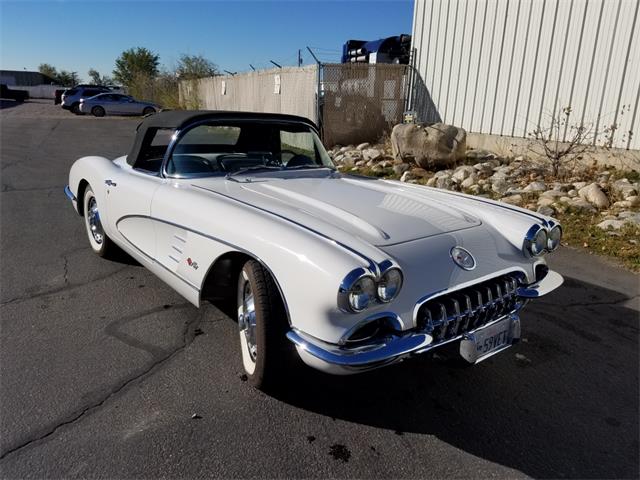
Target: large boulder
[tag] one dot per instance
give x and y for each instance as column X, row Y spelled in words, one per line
column 592, row 194
column 432, row 146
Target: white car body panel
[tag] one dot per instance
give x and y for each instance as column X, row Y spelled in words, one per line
column 310, row 229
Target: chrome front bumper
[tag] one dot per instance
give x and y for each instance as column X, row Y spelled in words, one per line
column 69, row 194
column 396, row 347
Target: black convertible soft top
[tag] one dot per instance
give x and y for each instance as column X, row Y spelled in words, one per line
column 178, row 119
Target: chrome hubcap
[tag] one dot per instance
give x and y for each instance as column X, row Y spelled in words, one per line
column 94, row 221
column 247, row 316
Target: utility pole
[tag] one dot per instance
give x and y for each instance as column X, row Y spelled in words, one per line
column 299, row 58
column 279, row 66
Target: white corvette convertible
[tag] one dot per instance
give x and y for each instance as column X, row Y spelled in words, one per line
column 351, row 273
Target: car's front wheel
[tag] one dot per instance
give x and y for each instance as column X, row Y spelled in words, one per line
column 262, row 322
column 98, row 111
column 99, row 241
column 75, row 108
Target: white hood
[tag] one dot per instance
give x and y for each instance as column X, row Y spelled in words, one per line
column 379, row 213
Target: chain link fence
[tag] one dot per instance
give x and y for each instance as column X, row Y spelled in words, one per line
column 361, row 102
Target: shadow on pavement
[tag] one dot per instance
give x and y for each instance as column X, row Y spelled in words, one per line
column 562, row 403
column 4, row 104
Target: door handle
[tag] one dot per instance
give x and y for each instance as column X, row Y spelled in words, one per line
column 110, row 183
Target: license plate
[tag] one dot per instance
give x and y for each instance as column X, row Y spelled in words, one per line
column 485, row 342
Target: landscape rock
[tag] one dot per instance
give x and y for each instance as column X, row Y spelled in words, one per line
column 462, row 173
column 500, row 186
column 406, row 176
column 469, row 181
column 594, row 195
column 580, row 204
column 535, row 187
column 545, row 201
column 546, row 210
column 633, row 200
column 480, row 154
column 611, row 224
column 512, row 200
column 432, row 146
column 419, row 172
column 371, row 154
column 623, row 188
column 630, row 217
column 552, row 194
column 400, row 168
column 362, row 146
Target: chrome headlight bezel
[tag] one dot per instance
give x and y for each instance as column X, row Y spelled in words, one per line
column 355, row 278
column 350, row 282
column 554, row 237
column 384, row 278
column 539, row 240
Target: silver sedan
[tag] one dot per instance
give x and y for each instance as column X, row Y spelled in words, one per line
column 116, row 104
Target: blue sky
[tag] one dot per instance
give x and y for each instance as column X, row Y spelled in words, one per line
column 78, row 35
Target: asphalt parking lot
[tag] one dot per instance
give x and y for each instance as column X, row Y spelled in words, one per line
column 102, row 366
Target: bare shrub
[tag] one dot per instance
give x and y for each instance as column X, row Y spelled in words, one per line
column 558, row 148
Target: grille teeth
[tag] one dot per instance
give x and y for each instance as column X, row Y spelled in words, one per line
column 454, row 314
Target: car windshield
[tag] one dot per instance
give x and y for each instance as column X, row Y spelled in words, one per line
column 246, row 147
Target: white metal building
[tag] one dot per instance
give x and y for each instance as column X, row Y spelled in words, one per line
column 505, row 66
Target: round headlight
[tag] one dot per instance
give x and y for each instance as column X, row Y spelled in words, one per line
column 389, row 285
column 539, row 242
column 555, row 235
column 361, row 294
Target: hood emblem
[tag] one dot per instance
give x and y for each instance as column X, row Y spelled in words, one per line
column 463, row 258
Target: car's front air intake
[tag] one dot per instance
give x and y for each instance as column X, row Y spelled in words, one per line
column 448, row 316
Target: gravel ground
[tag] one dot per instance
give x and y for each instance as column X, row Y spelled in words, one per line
column 102, row 366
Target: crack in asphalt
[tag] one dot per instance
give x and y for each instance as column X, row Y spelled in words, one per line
column 114, row 330
column 7, row 188
column 65, row 269
column 188, row 336
column 67, row 287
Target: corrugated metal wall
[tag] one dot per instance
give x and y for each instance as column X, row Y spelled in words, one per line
column 506, row 66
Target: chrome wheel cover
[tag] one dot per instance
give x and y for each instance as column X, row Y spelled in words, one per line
column 247, row 316
column 95, row 227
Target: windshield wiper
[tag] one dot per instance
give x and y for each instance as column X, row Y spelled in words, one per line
column 253, row 169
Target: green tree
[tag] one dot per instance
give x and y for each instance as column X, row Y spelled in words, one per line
column 67, row 79
column 191, row 67
column 135, row 62
column 48, row 70
column 97, row 79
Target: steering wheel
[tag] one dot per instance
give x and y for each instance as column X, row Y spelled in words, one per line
column 288, row 152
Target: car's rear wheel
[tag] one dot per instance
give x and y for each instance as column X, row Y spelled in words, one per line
column 148, row 111
column 98, row 111
column 266, row 352
column 99, row 241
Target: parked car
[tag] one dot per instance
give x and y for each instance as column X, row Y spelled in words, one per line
column 71, row 97
column 116, row 104
column 57, row 96
column 352, row 273
column 11, row 94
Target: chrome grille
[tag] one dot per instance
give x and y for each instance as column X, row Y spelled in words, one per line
column 448, row 316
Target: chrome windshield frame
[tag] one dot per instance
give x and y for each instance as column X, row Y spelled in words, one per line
column 179, row 133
